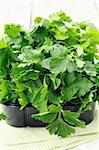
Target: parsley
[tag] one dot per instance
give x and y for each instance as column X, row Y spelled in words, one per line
column 60, row 121
column 56, row 62
column 2, row 117
column 12, row 30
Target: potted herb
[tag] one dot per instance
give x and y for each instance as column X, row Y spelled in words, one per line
column 49, row 75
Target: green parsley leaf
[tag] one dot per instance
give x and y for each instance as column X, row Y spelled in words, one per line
column 72, row 118
column 2, row 117
column 39, row 100
column 68, row 93
column 84, row 86
column 80, row 63
column 23, row 100
column 56, row 81
column 12, row 30
column 60, row 128
column 2, row 44
column 3, row 89
column 46, row 117
column 53, row 97
column 29, row 55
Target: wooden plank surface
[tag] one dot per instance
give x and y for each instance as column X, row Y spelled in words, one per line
column 79, row 10
column 14, row 12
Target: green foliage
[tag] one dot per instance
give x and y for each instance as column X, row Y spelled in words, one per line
column 46, row 117
column 12, row 30
column 23, row 101
column 4, row 58
column 53, row 63
column 2, row 117
column 3, row 89
column 29, row 55
column 60, row 128
column 58, row 120
column 72, row 118
column 77, row 88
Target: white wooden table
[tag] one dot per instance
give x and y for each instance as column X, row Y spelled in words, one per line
column 93, row 145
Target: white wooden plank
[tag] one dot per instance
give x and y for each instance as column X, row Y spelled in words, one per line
column 93, row 145
column 14, row 12
column 79, row 10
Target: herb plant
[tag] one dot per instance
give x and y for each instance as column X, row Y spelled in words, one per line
column 55, row 63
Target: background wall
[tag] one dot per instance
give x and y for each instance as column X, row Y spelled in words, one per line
column 22, row 12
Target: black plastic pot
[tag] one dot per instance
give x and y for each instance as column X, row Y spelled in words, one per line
column 86, row 116
column 22, row 118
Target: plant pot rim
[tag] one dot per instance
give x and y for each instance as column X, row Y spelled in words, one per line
column 30, row 105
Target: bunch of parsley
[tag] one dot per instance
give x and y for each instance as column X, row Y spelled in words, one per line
column 53, row 64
